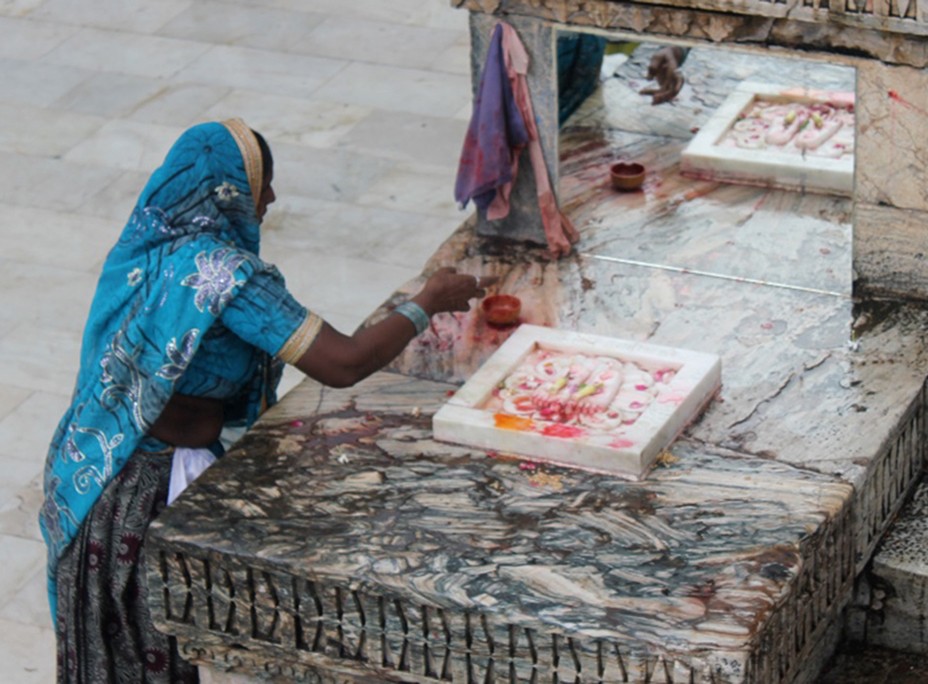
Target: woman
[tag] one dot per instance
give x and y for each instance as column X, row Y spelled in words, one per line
column 186, row 335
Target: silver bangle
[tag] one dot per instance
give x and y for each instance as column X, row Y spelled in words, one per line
column 416, row 314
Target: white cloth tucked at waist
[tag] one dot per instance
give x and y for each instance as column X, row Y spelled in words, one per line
column 186, row 466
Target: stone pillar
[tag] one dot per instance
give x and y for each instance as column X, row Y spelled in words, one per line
column 524, row 221
column 891, row 182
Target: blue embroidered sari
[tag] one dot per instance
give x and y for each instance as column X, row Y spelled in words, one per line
column 189, row 249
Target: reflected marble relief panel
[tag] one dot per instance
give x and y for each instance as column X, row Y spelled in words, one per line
column 766, row 235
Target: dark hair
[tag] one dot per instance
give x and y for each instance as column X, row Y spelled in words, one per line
column 267, row 159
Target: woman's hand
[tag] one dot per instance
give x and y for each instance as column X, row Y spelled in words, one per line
column 341, row 360
column 448, row 290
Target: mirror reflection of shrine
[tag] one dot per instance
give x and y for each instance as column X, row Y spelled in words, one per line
column 752, row 160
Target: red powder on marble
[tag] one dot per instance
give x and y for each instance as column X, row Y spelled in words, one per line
column 563, row 431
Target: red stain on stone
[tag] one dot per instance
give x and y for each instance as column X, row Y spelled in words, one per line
column 563, row 431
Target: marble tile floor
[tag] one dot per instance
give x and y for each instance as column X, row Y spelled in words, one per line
column 365, row 104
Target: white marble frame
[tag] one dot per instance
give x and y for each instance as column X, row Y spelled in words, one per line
column 703, row 158
column 462, row 419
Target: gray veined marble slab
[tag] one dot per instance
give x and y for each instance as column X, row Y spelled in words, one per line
column 346, row 490
column 730, row 562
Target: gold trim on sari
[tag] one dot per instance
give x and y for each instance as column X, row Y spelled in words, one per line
column 251, row 154
column 300, row 340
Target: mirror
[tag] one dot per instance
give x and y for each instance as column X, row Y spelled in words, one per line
column 785, row 227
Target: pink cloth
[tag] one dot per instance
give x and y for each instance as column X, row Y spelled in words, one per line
column 559, row 231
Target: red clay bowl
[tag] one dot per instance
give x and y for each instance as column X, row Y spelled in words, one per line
column 501, row 309
column 626, row 175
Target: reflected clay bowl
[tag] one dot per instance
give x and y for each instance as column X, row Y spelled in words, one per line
column 501, row 309
column 626, row 175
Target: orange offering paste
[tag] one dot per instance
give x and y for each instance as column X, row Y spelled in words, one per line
column 507, row 422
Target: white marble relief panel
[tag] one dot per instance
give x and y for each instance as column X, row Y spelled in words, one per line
column 587, row 401
column 767, row 135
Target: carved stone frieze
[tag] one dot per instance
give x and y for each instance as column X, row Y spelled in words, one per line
column 891, row 31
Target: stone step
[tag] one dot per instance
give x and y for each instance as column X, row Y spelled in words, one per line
column 892, row 600
column 875, row 665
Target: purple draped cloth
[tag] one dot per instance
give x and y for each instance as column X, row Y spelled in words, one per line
column 496, row 132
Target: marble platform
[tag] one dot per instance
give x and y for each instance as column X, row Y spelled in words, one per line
column 341, row 542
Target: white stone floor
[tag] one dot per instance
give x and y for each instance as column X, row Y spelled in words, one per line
column 365, row 103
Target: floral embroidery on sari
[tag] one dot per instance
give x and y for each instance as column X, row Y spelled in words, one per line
column 215, row 278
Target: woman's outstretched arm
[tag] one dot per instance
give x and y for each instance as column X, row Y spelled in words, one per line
column 340, row 360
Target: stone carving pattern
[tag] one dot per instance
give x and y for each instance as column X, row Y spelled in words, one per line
column 258, row 610
column 242, row 661
column 265, row 611
column 900, row 16
column 897, row 472
column 796, row 626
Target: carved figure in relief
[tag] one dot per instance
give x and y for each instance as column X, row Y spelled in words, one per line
column 824, row 129
column 599, row 392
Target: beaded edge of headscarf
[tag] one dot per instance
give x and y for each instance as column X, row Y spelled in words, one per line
column 251, row 155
